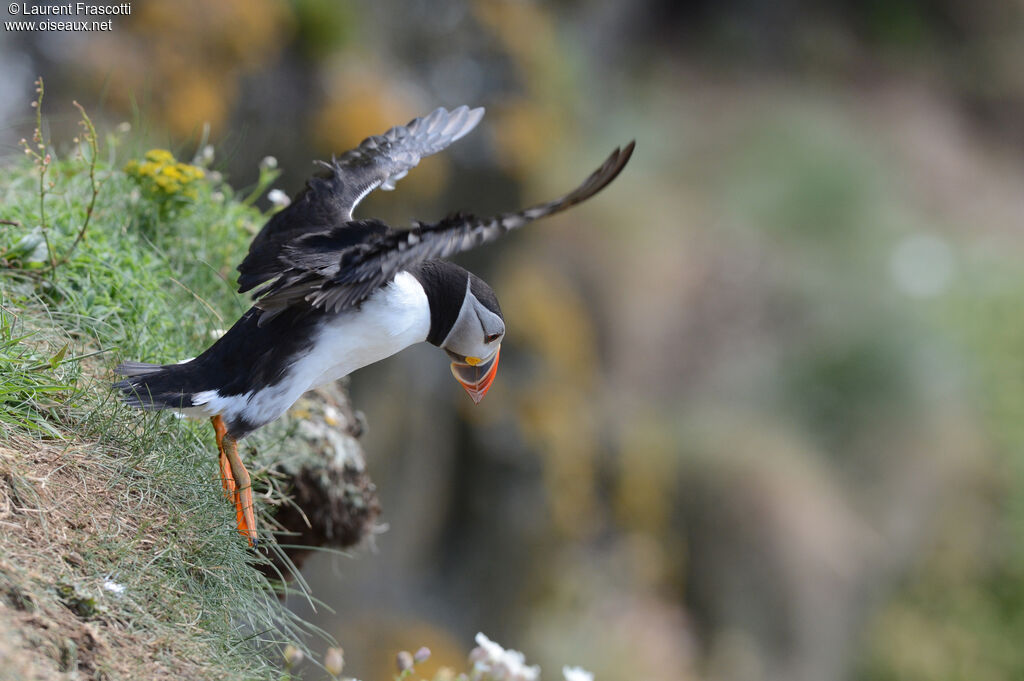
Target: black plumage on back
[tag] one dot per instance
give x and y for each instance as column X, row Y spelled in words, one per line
column 319, row 207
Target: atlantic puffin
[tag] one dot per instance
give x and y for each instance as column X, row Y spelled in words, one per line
column 337, row 294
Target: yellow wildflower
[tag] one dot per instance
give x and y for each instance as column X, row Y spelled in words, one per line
column 159, row 156
column 163, row 177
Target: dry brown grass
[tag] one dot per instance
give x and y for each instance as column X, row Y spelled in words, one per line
column 56, row 500
column 67, row 514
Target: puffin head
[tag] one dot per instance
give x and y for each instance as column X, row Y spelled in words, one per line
column 465, row 321
column 474, row 342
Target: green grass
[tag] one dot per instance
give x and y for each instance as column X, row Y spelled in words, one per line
column 150, row 279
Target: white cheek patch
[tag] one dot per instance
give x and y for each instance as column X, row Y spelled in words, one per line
column 456, row 339
column 474, row 323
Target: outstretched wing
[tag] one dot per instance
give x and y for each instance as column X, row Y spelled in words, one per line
column 342, row 277
column 328, row 200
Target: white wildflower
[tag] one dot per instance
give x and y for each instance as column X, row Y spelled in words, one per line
column 268, row 163
column 124, row 126
column 278, row 198
column 486, row 650
column 491, row 661
column 205, row 156
column 113, row 587
column 576, row 674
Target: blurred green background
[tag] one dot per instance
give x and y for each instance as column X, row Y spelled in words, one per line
column 759, row 413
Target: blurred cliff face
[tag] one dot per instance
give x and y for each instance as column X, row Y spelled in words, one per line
column 759, row 403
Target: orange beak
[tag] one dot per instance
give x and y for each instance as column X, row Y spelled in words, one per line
column 476, row 379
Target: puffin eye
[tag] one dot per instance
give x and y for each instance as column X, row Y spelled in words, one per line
column 492, row 337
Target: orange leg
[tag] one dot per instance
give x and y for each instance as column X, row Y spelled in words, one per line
column 227, row 480
column 243, row 502
column 236, row 481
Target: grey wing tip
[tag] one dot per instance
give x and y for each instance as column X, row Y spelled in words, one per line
column 627, row 153
column 447, row 125
column 470, row 119
column 595, row 182
column 617, row 159
column 613, row 165
column 601, row 177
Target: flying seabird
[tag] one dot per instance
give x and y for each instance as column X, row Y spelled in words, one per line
column 337, row 294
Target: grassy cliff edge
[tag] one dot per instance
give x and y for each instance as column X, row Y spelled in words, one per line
column 117, row 553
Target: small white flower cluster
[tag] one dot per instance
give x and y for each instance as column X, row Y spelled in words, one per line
column 491, row 662
column 576, row 674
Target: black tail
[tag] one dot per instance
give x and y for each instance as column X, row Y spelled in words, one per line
column 248, row 357
column 136, row 369
column 152, row 386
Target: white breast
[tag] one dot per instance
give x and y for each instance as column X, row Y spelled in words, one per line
column 389, row 321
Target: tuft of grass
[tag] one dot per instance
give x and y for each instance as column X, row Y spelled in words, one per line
column 95, row 270
column 34, row 382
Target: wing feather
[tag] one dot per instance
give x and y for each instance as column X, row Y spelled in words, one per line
column 330, row 198
column 355, row 271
